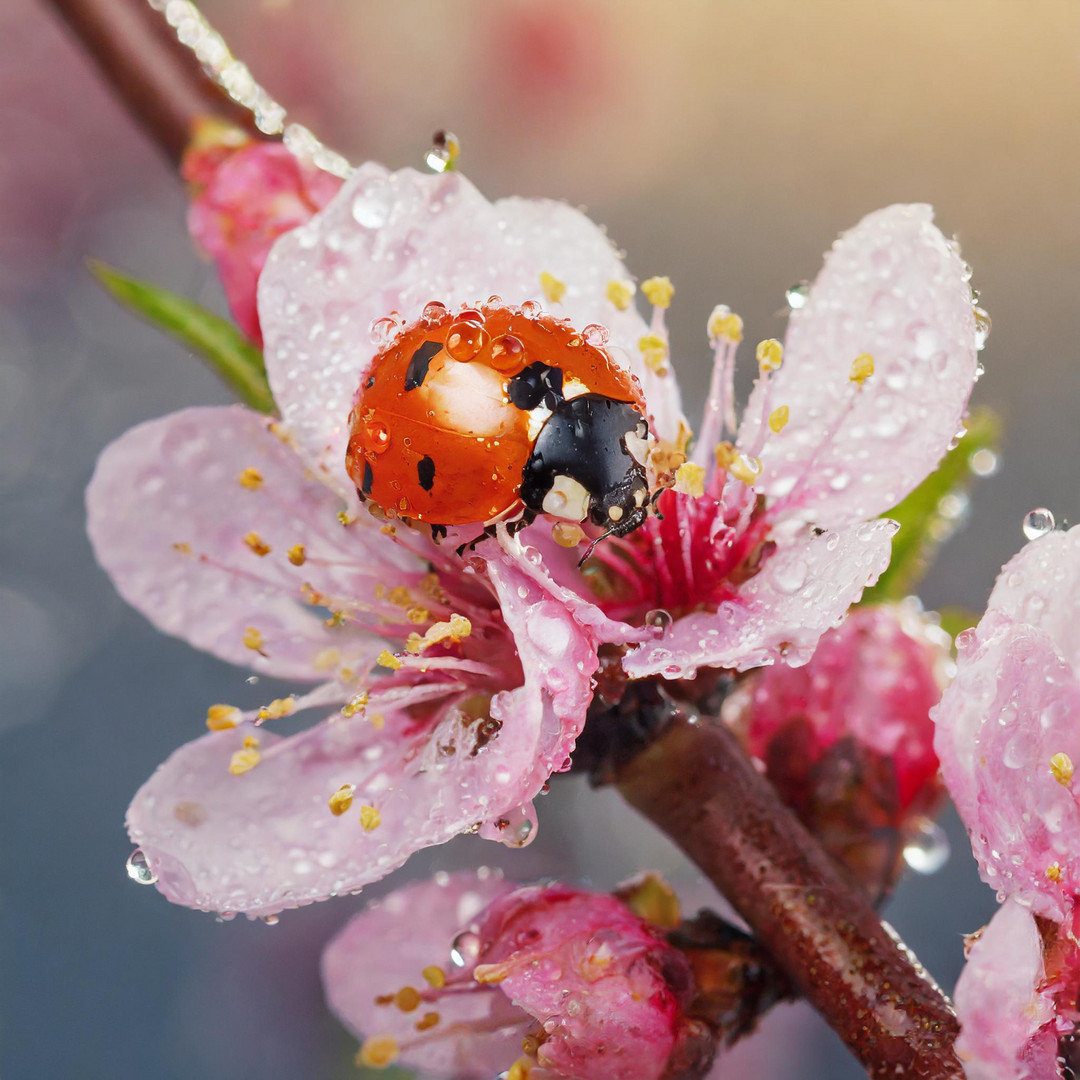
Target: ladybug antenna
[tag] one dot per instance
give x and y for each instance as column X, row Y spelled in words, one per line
column 592, row 547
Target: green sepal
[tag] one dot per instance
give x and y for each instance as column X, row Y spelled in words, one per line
column 216, row 340
column 924, row 527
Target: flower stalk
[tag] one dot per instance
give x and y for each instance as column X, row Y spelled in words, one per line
column 696, row 783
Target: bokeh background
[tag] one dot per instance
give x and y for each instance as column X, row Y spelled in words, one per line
column 723, row 144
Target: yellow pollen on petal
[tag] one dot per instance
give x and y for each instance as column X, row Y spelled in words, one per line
column 251, row 479
column 183, row 548
column 408, row 999
column 778, row 418
column 253, row 639
column 690, row 479
column 725, row 325
column 770, row 354
column 658, row 291
column 1053, row 871
column 1061, row 768
column 862, row 367
column 554, row 289
column 257, row 544
column 620, row 293
column 655, row 351
column 222, row 717
column 370, row 818
column 354, row 705
column 246, row 759
column 434, row 976
column 428, row 1020
column 298, row 555
column 377, row 721
column 378, row 1052
column 277, row 708
column 566, row 534
column 387, row 659
column 341, row 800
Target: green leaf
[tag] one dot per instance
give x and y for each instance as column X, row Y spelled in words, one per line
column 218, row 341
column 925, row 521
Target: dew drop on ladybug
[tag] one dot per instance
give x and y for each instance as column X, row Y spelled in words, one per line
column 498, row 413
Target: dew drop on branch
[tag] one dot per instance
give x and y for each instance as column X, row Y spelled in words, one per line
column 927, row 848
column 1038, row 522
column 138, row 868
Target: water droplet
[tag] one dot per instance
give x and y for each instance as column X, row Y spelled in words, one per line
column 789, row 577
column 927, row 848
column 1038, row 523
column 797, row 295
column 378, row 437
column 270, row 920
column 982, row 328
column 984, row 462
column 531, row 309
column 658, row 618
column 506, row 352
column 251, row 680
column 596, row 335
column 465, row 339
column 443, row 151
column 465, row 949
column 138, row 868
column 434, row 313
column 371, row 204
column 965, row 639
column 383, row 331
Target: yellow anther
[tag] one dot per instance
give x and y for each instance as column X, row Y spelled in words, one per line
column 253, row 640
column 519, row 1070
column 310, row 594
column 327, row 659
column 620, row 293
column 1061, row 768
column 354, row 704
column 491, row 973
column 415, row 643
column 408, row 999
column 690, row 479
column 277, row 708
column 428, row 1020
column 862, row 367
column 257, row 544
column 652, row 899
column 725, row 325
column 279, row 431
column 554, row 289
column 745, row 469
column 222, row 717
column 378, row 1052
column 725, row 455
column 399, row 596
column 655, row 351
column 658, row 291
column 566, row 534
column 298, row 555
column 370, row 818
column 453, row 631
column 183, row 548
column 778, row 418
column 245, row 760
column 1053, row 871
column 387, row 659
column 377, row 721
column 341, row 800
column 345, row 518
column 417, row 615
column 251, row 479
column 337, row 618
column 770, row 355
column 434, row 976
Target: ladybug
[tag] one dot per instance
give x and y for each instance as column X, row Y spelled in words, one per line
column 499, row 414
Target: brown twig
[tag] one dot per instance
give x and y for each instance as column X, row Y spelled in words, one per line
column 158, row 80
column 698, row 785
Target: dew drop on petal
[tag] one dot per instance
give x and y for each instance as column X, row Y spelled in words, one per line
column 658, row 618
column 797, row 295
column 138, row 868
column 465, row 949
column 1038, row 522
column 927, row 848
column 371, row 204
column 982, row 328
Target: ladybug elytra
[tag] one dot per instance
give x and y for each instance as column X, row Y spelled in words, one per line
column 499, row 414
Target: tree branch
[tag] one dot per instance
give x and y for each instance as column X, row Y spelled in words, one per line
column 698, row 785
column 158, row 80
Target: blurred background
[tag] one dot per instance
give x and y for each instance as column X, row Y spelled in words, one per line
column 722, row 144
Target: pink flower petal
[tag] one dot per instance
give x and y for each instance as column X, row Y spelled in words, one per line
column 388, row 945
column 167, row 515
column 802, row 589
column 1011, row 708
column 266, row 840
column 392, row 241
column 999, row 1005
column 895, row 288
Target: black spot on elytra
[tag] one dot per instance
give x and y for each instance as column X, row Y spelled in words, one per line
column 369, row 479
column 425, row 473
column 537, row 383
column 418, row 365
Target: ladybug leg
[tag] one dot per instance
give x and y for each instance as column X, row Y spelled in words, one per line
column 438, row 532
column 470, row 545
column 527, row 518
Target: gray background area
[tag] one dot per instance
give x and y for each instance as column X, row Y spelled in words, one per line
column 724, row 144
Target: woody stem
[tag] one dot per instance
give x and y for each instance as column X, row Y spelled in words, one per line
column 158, row 80
column 696, row 783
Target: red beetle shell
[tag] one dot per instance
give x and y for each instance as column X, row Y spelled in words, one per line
column 435, row 436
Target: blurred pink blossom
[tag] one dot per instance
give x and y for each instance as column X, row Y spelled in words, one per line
column 588, row 988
